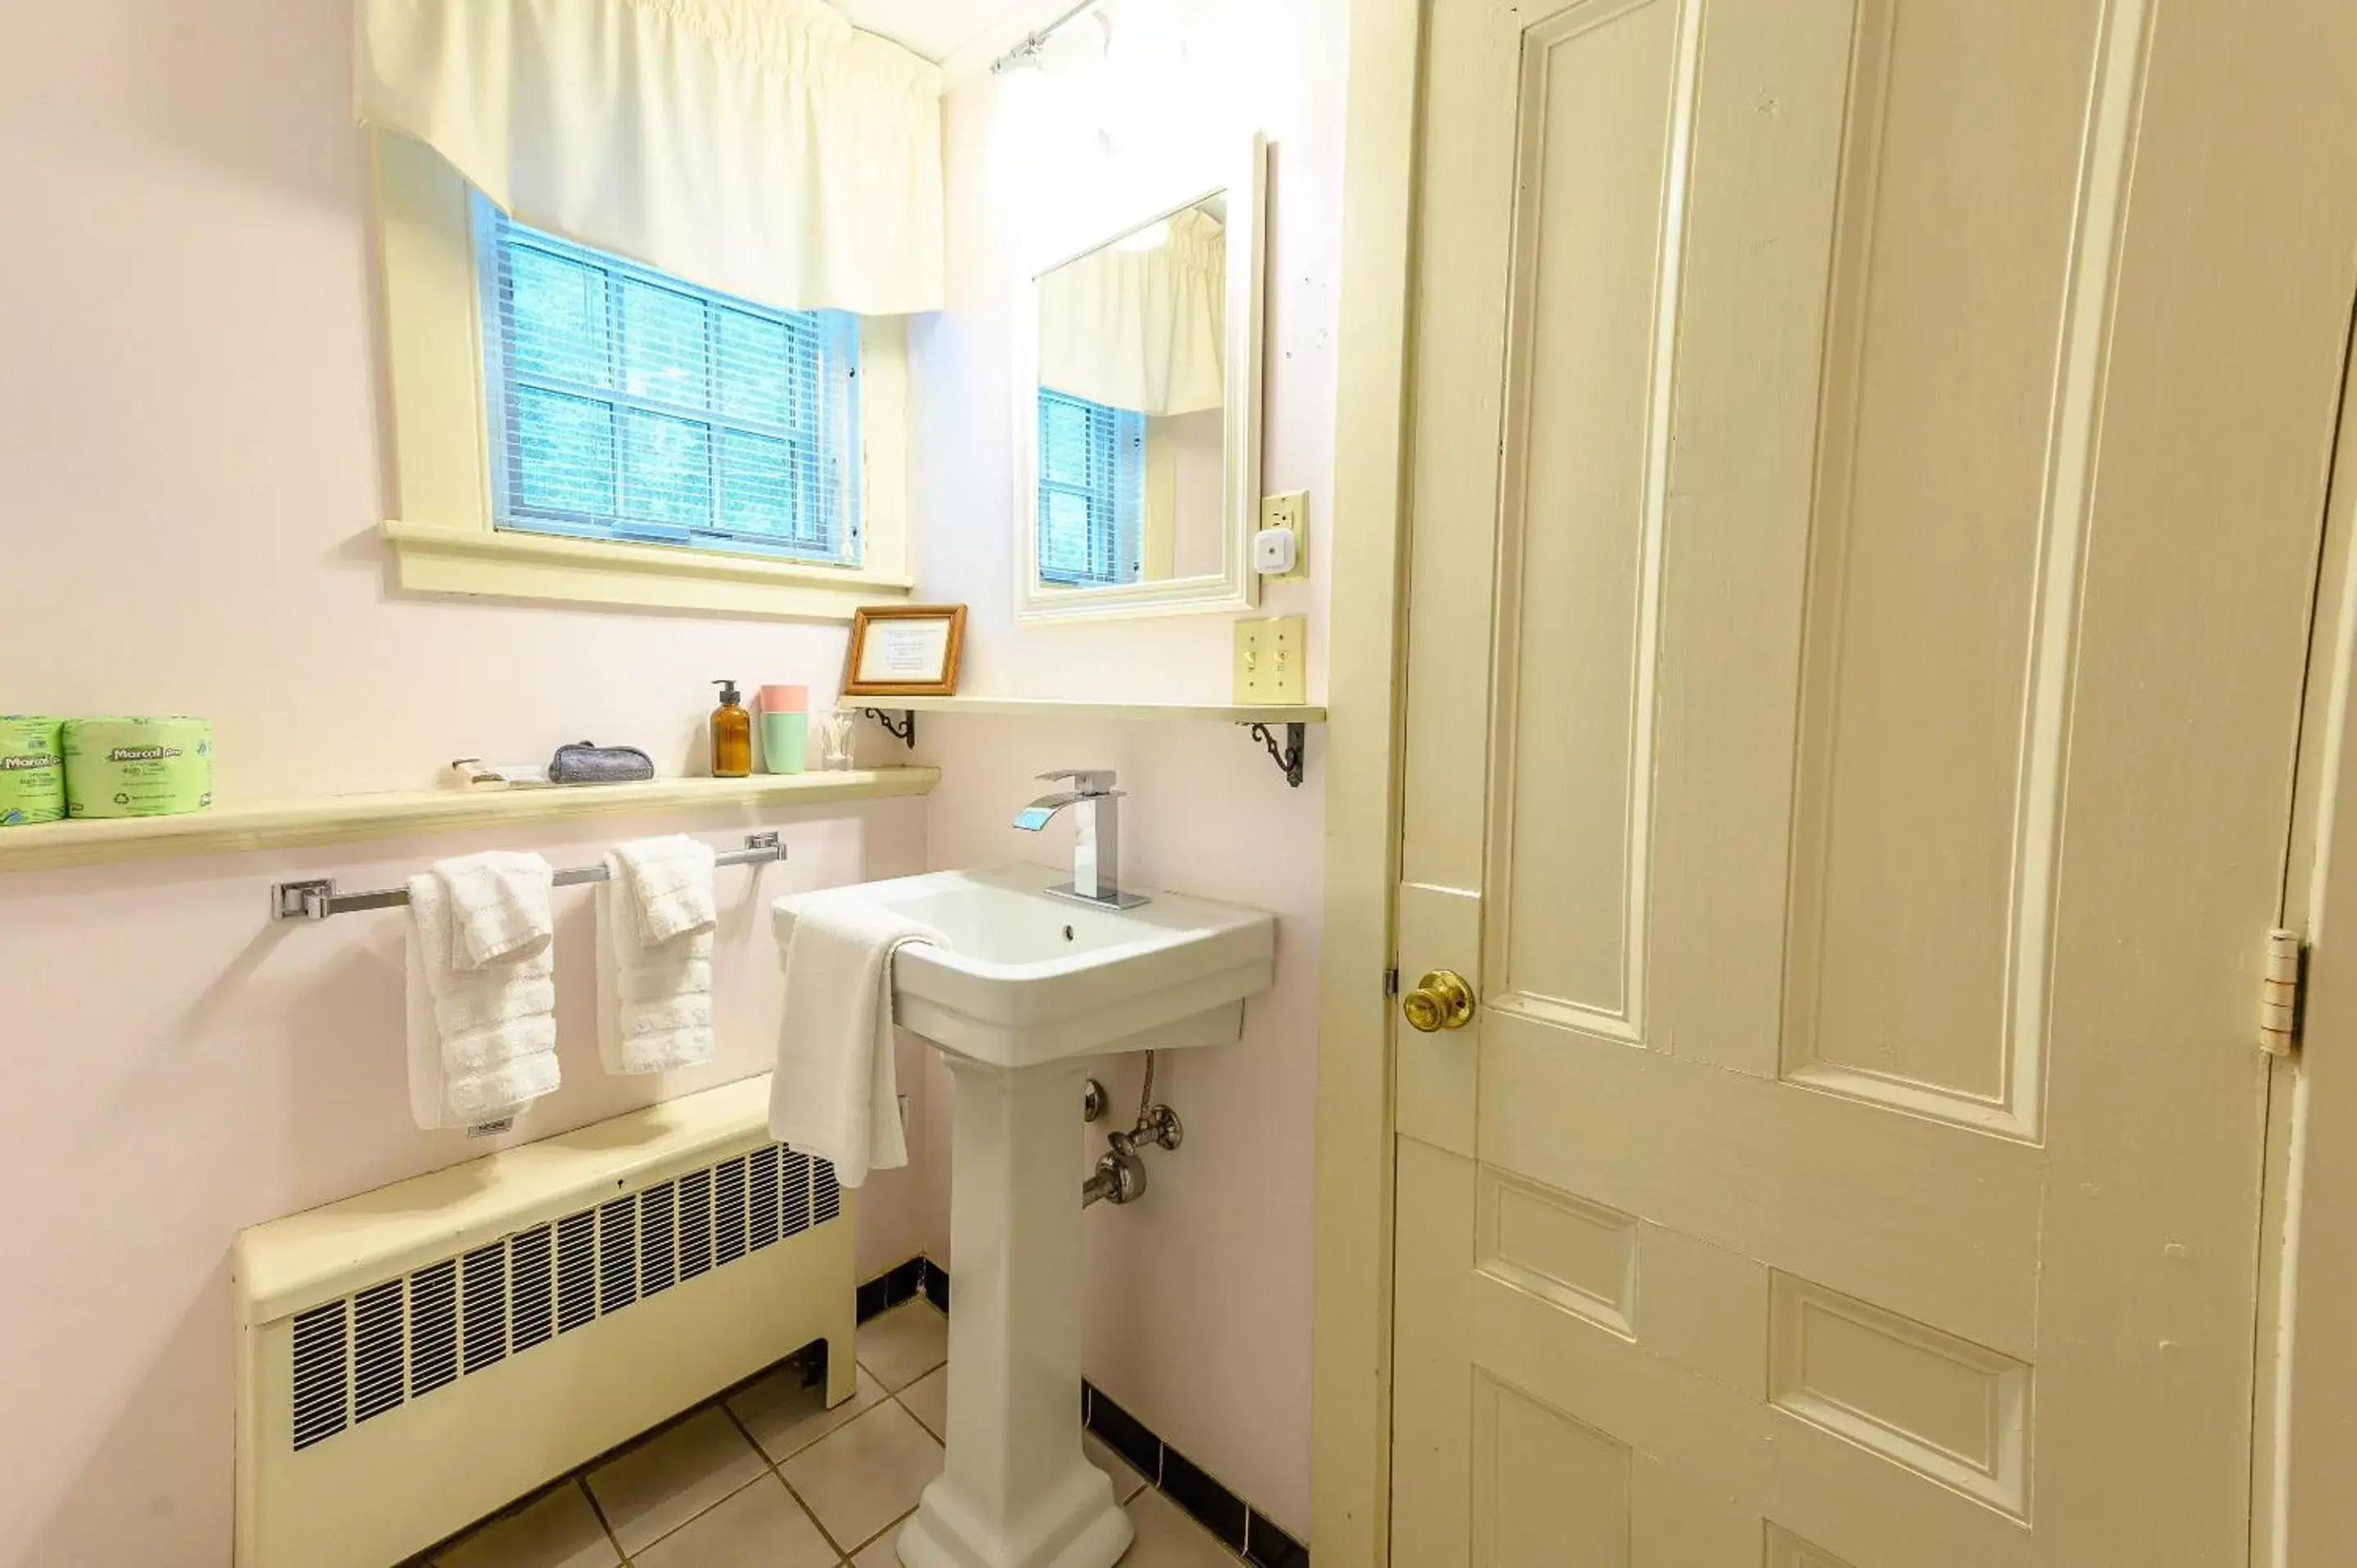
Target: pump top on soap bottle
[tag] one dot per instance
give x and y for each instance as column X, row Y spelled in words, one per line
column 732, row 734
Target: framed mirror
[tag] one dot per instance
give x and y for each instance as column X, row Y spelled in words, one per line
column 1138, row 409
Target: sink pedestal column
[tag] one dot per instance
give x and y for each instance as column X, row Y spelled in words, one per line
column 1015, row 1491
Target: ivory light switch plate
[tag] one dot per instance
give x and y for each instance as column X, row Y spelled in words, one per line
column 1271, row 656
column 1289, row 512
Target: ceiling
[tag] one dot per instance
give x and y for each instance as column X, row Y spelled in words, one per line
column 947, row 30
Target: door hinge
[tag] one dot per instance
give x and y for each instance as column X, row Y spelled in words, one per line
column 1391, row 981
column 2279, row 994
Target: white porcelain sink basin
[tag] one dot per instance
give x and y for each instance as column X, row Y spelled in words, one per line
column 1027, row 978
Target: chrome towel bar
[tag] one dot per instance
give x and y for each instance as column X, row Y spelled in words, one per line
column 317, row 898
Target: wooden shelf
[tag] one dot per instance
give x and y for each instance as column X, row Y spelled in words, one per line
column 1282, row 729
column 233, row 828
column 1056, row 708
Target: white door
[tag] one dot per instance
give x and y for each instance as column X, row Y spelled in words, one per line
column 1867, row 462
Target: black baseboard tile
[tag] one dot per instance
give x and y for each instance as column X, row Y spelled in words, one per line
column 889, row 1289
column 936, row 1284
column 1215, row 1508
column 1124, row 1433
column 1270, row 1547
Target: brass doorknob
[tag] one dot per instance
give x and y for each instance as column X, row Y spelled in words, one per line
column 1441, row 1000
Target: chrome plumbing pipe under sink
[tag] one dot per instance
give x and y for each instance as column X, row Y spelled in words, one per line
column 1120, row 1170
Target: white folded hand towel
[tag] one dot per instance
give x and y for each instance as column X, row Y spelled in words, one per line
column 669, row 881
column 482, row 1043
column 654, row 996
column 836, row 1091
column 499, row 903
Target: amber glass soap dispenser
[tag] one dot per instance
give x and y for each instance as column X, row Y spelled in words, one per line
column 732, row 734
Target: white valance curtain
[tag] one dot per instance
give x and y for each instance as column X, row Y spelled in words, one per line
column 765, row 148
column 1144, row 330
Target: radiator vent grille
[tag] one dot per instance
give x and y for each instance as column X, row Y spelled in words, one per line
column 618, row 1255
column 433, row 1326
column 695, row 1224
column 319, row 1382
column 485, row 1320
column 764, row 1226
column 577, row 1271
column 377, row 1372
column 402, row 1339
column 535, row 1292
column 655, row 1238
column 728, row 1210
column 795, row 1179
column 828, row 1201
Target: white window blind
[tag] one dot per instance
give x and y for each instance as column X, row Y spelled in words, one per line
column 626, row 404
column 1092, row 491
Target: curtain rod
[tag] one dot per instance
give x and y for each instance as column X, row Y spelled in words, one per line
column 1027, row 51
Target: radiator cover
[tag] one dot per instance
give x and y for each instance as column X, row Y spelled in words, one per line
column 413, row 1359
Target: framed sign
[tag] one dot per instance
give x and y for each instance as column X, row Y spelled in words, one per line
column 905, row 650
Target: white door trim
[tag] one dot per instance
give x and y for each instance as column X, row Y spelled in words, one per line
column 1352, row 1353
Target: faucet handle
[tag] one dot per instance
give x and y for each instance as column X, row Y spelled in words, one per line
column 1086, row 780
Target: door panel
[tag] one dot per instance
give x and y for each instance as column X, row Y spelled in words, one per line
column 1757, row 245
column 1944, row 566
column 1567, row 880
column 1929, row 1219
column 1827, row 751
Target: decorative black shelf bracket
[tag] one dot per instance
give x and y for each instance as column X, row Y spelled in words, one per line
column 905, row 730
column 1287, row 757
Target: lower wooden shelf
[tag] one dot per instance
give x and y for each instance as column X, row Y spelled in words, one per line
column 233, row 827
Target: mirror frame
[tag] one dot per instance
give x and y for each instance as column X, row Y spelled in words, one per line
column 1244, row 182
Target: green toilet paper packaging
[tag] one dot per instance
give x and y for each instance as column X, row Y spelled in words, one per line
column 137, row 767
column 32, row 771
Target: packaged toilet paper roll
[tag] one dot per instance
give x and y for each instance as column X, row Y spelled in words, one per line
column 137, row 767
column 32, row 771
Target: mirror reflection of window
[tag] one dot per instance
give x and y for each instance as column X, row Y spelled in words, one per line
column 1132, row 381
column 1092, row 491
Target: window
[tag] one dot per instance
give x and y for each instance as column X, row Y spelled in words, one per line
column 755, row 536
column 624, row 404
column 1092, row 491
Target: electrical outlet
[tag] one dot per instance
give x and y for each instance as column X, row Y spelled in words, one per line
column 1290, row 511
column 1272, row 658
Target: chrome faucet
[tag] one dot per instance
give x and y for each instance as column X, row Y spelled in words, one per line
column 1096, row 846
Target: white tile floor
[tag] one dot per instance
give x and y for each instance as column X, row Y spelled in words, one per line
column 773, row 1478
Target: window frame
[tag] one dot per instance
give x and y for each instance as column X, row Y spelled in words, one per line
column 442, row 527
column 505, row 384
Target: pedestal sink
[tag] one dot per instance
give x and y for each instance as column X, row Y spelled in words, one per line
column 1028, row 987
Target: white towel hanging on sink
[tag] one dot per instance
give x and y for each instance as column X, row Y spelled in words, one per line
column 836, row 1092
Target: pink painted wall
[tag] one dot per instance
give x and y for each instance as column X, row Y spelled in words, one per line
column 1199, row 1297
column 191, row 475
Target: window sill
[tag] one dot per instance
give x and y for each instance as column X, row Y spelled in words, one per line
column 435, row 560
